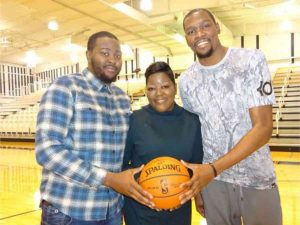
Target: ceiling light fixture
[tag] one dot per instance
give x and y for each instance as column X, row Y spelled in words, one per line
column 146, row 5
column 72, row 47
column 31, row 58
column 53, row 25
column 74, row 57
column 4, row 42
column 126, row 51
column 249, row 6
column 178, row 37
column 286, row 25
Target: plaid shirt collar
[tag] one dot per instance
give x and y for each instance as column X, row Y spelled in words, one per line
column 94, row 81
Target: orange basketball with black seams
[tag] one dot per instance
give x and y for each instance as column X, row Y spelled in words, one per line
column 161, row 177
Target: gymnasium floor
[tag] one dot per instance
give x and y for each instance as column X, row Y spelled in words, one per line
column 20, row 176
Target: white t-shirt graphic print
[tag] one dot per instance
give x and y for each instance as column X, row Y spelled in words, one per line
column 222, row 95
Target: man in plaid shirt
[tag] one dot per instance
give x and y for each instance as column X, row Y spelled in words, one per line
column 81, row 132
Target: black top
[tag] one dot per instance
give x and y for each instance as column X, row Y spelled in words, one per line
column 151, row 134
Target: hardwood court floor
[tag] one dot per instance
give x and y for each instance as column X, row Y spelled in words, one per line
column 20, row 177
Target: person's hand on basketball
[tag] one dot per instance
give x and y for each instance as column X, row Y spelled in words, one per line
column 171, row 209
column 202, row 175
column 125, row 184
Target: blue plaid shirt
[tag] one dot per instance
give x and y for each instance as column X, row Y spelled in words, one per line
column 81, row 131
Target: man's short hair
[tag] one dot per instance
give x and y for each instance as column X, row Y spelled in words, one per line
column 93, row 38
column 198, row 10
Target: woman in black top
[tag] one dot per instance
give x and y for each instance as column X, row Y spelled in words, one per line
column 161, row 128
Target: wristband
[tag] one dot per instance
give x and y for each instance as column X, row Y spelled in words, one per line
column 214, row 169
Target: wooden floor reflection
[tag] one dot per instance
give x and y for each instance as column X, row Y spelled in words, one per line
column 20, row 176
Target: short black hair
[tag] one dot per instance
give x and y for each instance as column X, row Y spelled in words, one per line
column 198, row 10
column 93, row 38
column 159, row 67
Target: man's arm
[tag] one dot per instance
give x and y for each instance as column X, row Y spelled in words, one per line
column 262, row 125
column 259, row 135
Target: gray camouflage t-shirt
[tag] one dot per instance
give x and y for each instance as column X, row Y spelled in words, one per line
column 222, row 95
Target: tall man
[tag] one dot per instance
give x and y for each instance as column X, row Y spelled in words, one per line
column 230, row 89
column 80, row 139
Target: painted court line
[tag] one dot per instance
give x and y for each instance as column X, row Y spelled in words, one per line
column 31, row 211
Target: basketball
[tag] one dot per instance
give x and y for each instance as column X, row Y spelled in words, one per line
column 161, row 177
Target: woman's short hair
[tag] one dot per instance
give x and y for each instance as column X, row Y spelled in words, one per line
column 157, row 67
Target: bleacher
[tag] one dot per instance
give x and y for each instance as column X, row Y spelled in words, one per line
column 131, row 86
column 18, row 114
column 13, row 105
column 286, row 111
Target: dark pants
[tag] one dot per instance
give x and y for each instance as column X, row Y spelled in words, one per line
column 52, row 216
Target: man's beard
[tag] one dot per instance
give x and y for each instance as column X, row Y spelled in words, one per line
column 105, row 78
column 205, row 55
column 102, row 76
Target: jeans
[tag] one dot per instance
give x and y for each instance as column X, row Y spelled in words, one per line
column 52, row 216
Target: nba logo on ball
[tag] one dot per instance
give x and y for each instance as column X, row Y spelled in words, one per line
column 164, row 186
column 162, row 177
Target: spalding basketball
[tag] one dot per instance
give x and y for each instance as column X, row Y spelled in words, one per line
column 161, row 177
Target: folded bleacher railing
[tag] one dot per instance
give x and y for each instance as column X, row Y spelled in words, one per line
column 281, row 100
